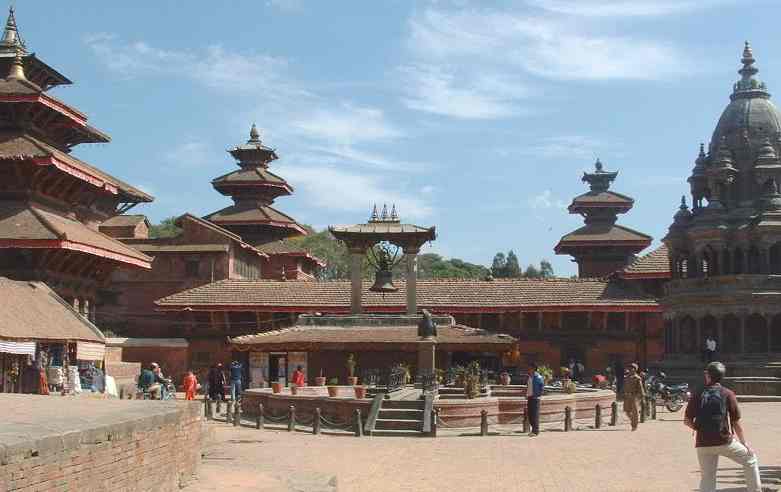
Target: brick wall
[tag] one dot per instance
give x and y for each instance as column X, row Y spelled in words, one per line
column 157, row 452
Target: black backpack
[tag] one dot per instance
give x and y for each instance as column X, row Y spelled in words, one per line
column 711, row 416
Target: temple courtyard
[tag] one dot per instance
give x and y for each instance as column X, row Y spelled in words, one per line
column 658, row 457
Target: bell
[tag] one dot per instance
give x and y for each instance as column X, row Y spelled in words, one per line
column 383, row 282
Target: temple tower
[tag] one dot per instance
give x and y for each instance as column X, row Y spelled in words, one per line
column 725, row 251
column 601, row 247
column 51, row 203
column 253, row 189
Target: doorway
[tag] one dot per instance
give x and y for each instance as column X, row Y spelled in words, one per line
column 277, row 367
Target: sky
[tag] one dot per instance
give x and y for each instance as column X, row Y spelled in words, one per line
column 478, row 117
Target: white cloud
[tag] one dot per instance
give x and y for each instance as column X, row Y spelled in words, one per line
column 545, row 200
column 433, row 89
column 574, row 147
column 544, row 46
column 347, row 124
column 623, row 8
column 340, row 190
column 190, row 154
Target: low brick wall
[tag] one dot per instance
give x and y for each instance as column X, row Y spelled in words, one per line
column 82, row 444
column 339, row 409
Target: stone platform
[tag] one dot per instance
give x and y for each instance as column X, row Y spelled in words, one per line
column 81, row 443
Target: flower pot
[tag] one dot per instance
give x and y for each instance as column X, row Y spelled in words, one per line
column 320, row 381
column 360, row 392
column 332, row 390
column 352, row 380
column 276, row 387
column 504, row 379
column 294, row 389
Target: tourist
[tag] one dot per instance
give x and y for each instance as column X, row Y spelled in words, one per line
column 190, row 385
column 216, row 379
column 236, row 370
column 633, row 391
column 715, row 417
column 149, row 383
column 710, row 349
column 298, row 376
column 534, row 388
column 160, row 379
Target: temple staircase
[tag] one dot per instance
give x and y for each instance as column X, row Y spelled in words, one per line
column 400, row 418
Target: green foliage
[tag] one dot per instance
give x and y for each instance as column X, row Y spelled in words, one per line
column 546, row 269
column 166, row 228
column 431, row 265
column 512, row 269
column 499, row 265
column 472, row 380
column 546, row 372
column 324, row 246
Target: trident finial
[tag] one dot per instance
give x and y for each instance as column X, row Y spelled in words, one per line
column 374, row 217
column 598, row 165
column 394, row 215
column 384, row 215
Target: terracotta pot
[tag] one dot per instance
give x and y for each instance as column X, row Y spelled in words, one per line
column 294, row 389
column 360, row 392
column 504, row 379
column 276, row 387
column 320, row 381
column 352, row 380
column 332, row 390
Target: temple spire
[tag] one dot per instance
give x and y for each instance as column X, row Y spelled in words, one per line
column 11, row 38
column 748, row 85
column 17, row 67
column 254, row 135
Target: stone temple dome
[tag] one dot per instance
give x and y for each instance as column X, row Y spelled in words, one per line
column 750, row 114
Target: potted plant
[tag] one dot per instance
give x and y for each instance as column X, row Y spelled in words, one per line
column 546, row 372
column 565, row 376
column 472, row 380
column 360, row 392
column 320, row 380
column 504, row 378
column 276, row 387
column 352, row 380
column 333, row 387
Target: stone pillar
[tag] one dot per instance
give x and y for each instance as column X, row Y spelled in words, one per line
column 676, row 335
column 427, row 349
column 356, row 280
column 764, row 261
column 746, row 255
column 742, row 335
column 411, row 257
column 698, row 331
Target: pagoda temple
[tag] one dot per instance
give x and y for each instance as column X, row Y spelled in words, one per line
column 725, row 250
column 253, row 189
column 51, row 203
column 601, row 247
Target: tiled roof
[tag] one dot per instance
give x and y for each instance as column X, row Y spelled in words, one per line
column 250, row 175
column 32, row 311
column 29, row 223
column 180, row 248
column 601, row 233
column 655, row 264
column 288, row 247
column 248, row 215
column 124, row 221
column 607, row 197
column 16, row 146
column 325, row 337
column 437, row 295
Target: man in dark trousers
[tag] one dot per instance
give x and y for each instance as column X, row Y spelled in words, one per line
column 715, row 417
column 534, row 387
column 618, row 371
column 216, row 383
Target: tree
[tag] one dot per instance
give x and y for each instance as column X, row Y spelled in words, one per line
column 512, row 269
column 499, row 266
column 432, row 265
column 166, row 228
column 531, row 272
column 546, row 269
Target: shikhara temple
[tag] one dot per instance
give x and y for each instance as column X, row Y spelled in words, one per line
column 236, row 284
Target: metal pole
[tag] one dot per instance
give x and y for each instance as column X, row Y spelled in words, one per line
column 614, row 413
column 206, row 407
column 316, row 421
column 219, row 406
column 643, row 406
column 358, row 425
column 434, row 417
column 291, row 425
column 653, row 409
column 483, row 423
column 237, row 414
column 259, row 418
column 598, row 416
column 567, row 419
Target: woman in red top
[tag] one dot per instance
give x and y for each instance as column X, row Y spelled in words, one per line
column 298, row 376
column 190, row 385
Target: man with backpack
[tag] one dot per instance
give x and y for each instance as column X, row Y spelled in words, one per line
column 715, row 417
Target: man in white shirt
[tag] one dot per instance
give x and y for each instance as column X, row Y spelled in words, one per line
column 710, row 348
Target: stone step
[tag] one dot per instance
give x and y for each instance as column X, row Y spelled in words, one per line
column 408, row 425
column 401, row 414
column 402, row 404
column 397, row 433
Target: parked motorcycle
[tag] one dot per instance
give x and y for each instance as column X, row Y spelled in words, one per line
column 672, row 396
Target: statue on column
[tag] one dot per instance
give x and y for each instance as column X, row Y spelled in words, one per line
column 427, row 327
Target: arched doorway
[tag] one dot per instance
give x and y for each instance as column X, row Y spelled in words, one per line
column 756, row 334
column 730, row 342
column 688, row 329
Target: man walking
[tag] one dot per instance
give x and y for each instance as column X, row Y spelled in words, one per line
column 715, row 417
column 633, row 391
column 236, row 370
column 534, row 387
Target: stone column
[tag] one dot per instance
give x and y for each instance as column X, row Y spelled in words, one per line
column 427, row 349
column 764, row 261
column 411, row 257
column 676, row 335
column 742, row 335
column 356, row 280
column 698, row 332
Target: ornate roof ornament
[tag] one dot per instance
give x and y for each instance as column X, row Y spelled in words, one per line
column 12, row 40
column 384, row 214
column 766, row 153
column 17, row 67
column 771, row 198
column 600, row 179
column 748, row 86
column 724, row 160
column 374, row 217
column 254, row 135
column 683, row 212
column 394, row 216
column 700, row 162
column 766, row 165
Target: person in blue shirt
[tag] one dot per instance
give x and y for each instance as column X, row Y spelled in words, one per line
column 534, row 388
column 236, row 370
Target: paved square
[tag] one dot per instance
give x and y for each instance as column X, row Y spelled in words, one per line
column 658, row 457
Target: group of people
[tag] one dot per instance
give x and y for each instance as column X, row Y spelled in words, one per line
column 217, row 381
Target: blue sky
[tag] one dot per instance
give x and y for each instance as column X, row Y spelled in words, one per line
column 476, row 117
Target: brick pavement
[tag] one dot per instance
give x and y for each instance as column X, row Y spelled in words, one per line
column 659, row 457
